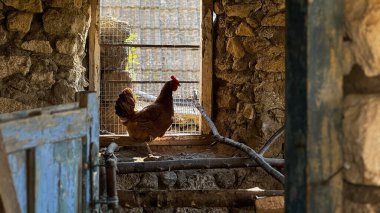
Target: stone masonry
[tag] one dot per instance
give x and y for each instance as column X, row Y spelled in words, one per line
column 361, row 121
column 250, row 70
column 42, row 46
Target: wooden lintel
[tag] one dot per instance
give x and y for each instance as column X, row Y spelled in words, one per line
column 193, row 198
column 185, row 140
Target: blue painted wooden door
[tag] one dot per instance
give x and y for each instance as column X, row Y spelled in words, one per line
column 49, row 155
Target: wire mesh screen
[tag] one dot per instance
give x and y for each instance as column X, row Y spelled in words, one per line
column 143, row 43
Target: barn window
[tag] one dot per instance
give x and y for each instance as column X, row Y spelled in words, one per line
column 143, row 43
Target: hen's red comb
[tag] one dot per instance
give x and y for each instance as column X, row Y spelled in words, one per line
column 174, row 79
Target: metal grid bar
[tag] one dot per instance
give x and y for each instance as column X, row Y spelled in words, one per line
column 142, row 44
column 155, row 45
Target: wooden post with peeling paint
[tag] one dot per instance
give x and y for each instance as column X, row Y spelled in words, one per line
column 313, row 106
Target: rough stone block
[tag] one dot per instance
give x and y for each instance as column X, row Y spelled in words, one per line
column 67, row 46
column 191, row 180
column 225, row 179
column 3, row 36
column 249, row 111
column 63, row 92
column 218, row 8
column 276, row 64
column 226, row 99
column 34, row 6
column 255, row 45
column 9, row 105
column 19, row 21
column 235, row 47
column 58, row 22
column 244, row 96
column 66, row 3
column 267, row 32
column 363, row 27
column 243, row 10
column 240, row 64
column 277, row 20
column 127, row 181
column 43, row 79
column 37, row 46
column 252, row 22
column 244, row 30
column 14, row 64
column 361, row 127
column 169, row 178
column 149, row 181
column 350, row 206
column 270, row 205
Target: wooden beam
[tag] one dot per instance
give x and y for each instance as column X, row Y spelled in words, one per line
column 193, row 198
column 313, row 106
column 185, row 140
column 94, row 48
column 188, row 164
column 90, row 176
column 207, row 61
column 21, row 134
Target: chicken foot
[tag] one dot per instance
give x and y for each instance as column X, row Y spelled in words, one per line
column 150, row 155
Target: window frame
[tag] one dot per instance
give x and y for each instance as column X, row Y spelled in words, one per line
column 206, row 83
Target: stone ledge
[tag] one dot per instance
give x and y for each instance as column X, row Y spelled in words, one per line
column 361, row 126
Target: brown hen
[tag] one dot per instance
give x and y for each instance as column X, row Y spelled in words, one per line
column 153, row 120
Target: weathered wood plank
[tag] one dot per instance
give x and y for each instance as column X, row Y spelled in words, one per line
column 27, row 133
column 57, row 175
column 313, row 98
column 8, row 196
column 325, row 100
column 90, row 176
column 37, row 111
column 94, row 48
column 193, row 198
column 296, row 107
column 17, row 164
column 189, row 140
column 207, row 61
column 44, row 147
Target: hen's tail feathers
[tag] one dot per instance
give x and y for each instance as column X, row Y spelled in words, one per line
column 125, row 105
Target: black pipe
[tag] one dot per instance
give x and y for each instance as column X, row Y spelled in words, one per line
column 112, row 198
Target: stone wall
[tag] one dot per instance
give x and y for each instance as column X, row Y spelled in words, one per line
column 197, row 180
column 250, row 70
column 42, row 47
column 361, row 122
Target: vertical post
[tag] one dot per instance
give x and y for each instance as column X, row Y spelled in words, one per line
column 31, row 179
column 8, row 196
column 94, row 48
column 90, row 175
column 207, row 61
column 313, row 106
column 112, row 198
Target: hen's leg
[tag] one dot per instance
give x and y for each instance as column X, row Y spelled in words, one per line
column 148, row 148
column 150, row 155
